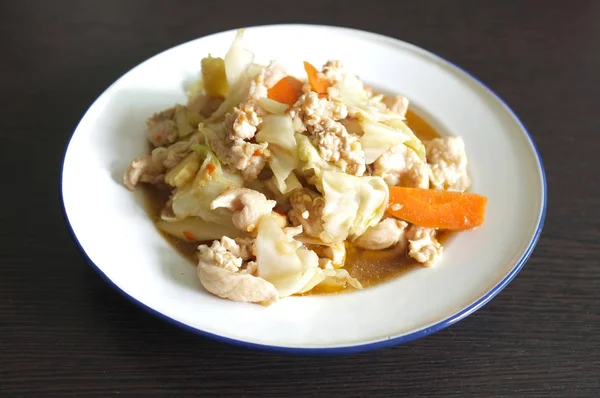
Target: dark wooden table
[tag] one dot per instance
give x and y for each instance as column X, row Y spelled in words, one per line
column 65, row 332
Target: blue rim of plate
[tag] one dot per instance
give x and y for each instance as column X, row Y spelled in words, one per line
column 353, row 349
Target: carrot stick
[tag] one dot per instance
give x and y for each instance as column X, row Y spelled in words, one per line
column 437, row 209
column 283, row 91
column 317, row 84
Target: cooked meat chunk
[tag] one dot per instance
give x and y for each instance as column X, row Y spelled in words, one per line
column 235, row 146
column 400, row 165
column 151, row 168
column 144, row 169
column 242, row 123
column 307, row 208
column 319, row 118
column 422, row 245
column 397, row 104
column 387, row 233
column 248, row 157
column 447, row 161
column 333, row 71
column 161, row 129
column 248, row 206
column 221, row 271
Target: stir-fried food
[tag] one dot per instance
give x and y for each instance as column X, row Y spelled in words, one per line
column 276, row 178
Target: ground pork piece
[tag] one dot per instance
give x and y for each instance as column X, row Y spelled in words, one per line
column 401, row 166
column 144, row 169
column 313, row 110
column 224, row 253
column 161, row 129
column 397, row 104
column 261, row 82
column 248, row 206
column 447, row 162
column 248, row 157
column 205, row 104
column 234, row 146
column 319, row 118
column 221, row 271
column 246, row 248
column 422, row 245
column 242, row 123
column 333, row 71
column 387, row 233
column 307, row 208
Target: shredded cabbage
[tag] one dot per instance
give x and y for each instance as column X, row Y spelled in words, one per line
column 283, row 261
column 278, row 132
column 352, row 204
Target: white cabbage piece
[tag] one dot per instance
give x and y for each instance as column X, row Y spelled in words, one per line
column 352, row 204
column 278, row 132
column 283, row 261
column 378, row 138
column 195, row 229
column 194, row 199
column 352, row 93
column 237, row 59
column 238, row 62
column 339, row 277
column 312, row 164
column 414, row 142
column 282, row 198
column 272, row 106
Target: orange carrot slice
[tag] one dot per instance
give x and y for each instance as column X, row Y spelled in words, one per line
column 283, row 91
column 432, row 208
column 317, row 84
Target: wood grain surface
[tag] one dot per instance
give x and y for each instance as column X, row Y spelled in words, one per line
column 64, row 332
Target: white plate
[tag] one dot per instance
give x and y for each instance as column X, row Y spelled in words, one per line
column 113, row 229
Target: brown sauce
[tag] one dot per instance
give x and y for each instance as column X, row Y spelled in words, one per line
column 370, row 267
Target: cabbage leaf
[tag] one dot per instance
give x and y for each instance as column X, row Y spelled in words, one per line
column 352, row 204
column 378, row 138
column 381, row 120
column 194, row 198
column 312, row 165
column 194, row 229
column 278, row 132
column 283, row 261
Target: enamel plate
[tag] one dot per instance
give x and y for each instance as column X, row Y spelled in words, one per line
column 112, row 226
